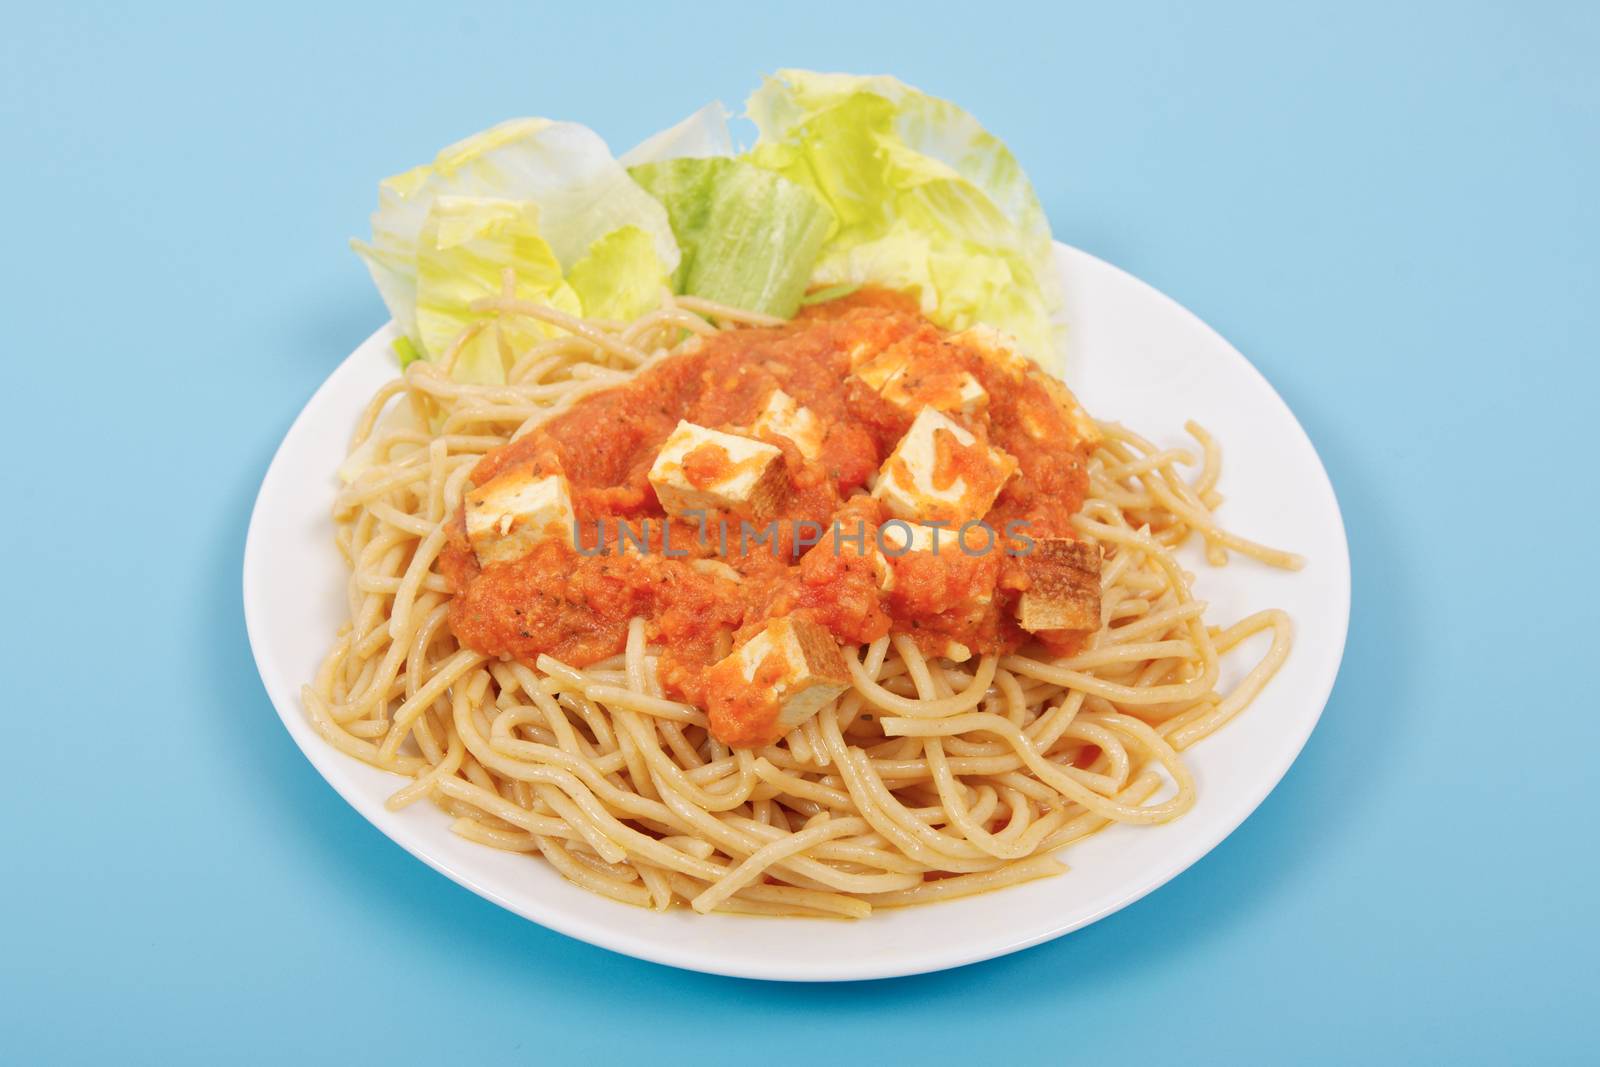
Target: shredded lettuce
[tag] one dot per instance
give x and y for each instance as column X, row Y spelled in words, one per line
column 926, row 200
column 827, row 293
column 621, row 277
column 700, row 136
column 531, row 195
column 852, row 181
column 749, row 237
column 466, row 246
column 405, row 351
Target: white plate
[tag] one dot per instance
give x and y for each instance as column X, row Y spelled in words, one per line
column 1137, row 357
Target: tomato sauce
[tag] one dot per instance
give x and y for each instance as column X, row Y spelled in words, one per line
column 577, row 606
column 745, row 708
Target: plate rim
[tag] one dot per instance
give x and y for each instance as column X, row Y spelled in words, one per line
column 327, row 760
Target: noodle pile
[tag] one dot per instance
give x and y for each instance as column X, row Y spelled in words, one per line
column 924, row 781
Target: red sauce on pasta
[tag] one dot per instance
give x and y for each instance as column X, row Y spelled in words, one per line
column 708, row 595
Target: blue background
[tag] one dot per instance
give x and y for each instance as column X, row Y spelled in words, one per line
column 1390, row 209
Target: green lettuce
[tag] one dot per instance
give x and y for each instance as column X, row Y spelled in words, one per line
column 852, row 181
column 466, row 245
column 537, row 197
column 924, row 200
column 749, row 238
column 620, row 277
column 702, row 135
column 827, row 293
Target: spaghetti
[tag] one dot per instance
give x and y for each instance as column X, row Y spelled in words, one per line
column 924, row 780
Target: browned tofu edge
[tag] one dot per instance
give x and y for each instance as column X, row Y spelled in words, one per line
column 1063, row 586
column 824, row 662
column 767, row 496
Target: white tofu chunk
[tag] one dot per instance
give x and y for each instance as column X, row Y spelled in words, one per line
column 970, row 395
column 775, row 681
column 903, row 538
column 1063, row 586
column 783, row 416
column 866, row 349
column 725, row 472
column 912, row 384
column 508, row 515
column 959, row 392
column 1000, row 350
column 913, row 487
column 845, row 547
column 882, row 368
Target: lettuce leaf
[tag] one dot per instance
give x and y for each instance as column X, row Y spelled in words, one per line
column 925, row 200
column 466, row 245
column 827, row 293
column 570, row 194
column 700, row 136
column 853, row 181
column 621, row 277
column 749, row 237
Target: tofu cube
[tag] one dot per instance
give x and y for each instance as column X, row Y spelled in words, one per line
column 946, row 391
column 783, row 416
column 914, row 483
column 882, row 367
column 1063, row 586
column 902, row 537
column 1000, row 350
column 845, row 547
column 997, row 348
column 911, row 383
column 775, row 681
column 707, row 470
column 510, row 514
